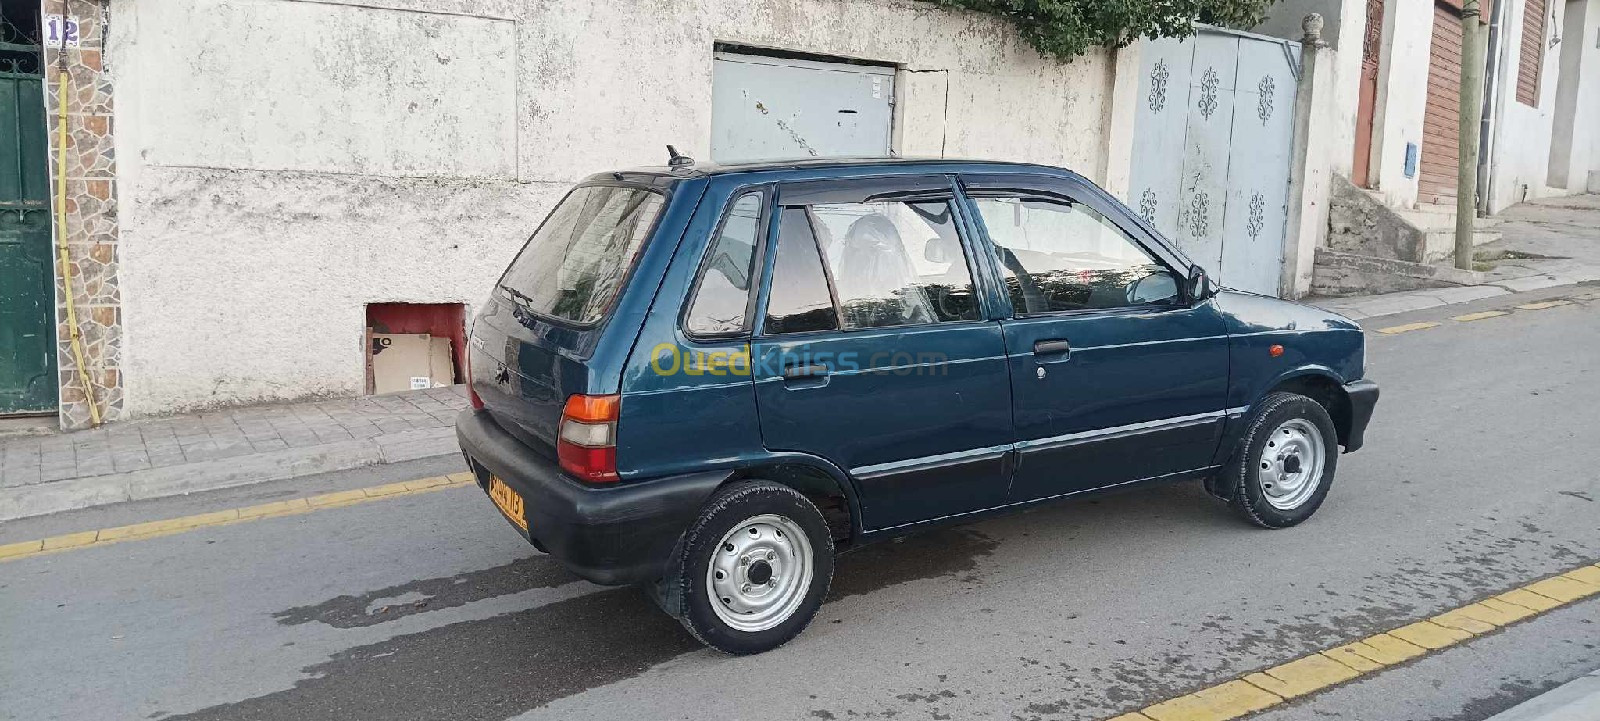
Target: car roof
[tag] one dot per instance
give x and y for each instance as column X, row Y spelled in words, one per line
column 661, row 173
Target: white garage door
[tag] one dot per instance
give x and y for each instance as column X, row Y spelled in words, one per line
column 1214, row 130
column 766, row 108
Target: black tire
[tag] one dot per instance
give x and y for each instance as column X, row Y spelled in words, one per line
column 1243, row 484
column 685, row 591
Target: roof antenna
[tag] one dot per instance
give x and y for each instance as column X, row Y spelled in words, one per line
column 678, row 160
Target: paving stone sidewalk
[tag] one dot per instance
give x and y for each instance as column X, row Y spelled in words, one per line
column 179, row 454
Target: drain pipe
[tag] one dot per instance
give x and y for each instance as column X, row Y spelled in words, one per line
column 1493, row 89
column 65, row 262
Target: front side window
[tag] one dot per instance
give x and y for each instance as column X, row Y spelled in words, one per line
column 572, row 268
column 1056, row 255
column 719, row 304
column 895, row 263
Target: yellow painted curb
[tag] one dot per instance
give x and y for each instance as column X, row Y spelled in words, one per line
column 1473, row 619
column 1430, row 635
column 1587, row 574
column 1317, row 672
column 1348, row 656
column 1218, row 703
column 70, row 540
column 25, row 548
column 1563, row 589
column 1541, row 305
column 153, row 529
column 340, row 498
column 1303, row 675
column 1468, row 318
column 1387, row 649
column 1528, row 599
column 1407, row 328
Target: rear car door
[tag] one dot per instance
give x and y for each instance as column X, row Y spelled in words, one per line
column 1115, row 376
column 874, row 352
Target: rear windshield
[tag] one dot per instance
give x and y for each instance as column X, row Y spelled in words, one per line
column 572, row 268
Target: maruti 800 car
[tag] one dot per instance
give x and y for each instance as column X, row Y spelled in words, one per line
column 706, row 380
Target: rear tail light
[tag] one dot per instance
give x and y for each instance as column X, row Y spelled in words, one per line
column 587, row 445
column 472, row 395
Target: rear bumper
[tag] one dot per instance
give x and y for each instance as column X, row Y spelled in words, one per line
column 1363, row 397
column 614, row 535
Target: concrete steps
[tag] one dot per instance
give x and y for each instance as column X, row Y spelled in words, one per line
column 1441, row 244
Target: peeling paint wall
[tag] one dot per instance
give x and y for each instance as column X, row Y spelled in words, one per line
column 285, row 162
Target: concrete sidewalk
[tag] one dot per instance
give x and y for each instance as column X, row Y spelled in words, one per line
column 1576, row 700
column 1544, row 243
column 169, row 456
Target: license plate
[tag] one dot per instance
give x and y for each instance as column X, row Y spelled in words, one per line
column 508, row 501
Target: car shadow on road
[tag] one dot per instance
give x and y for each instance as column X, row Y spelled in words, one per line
column 502, row 666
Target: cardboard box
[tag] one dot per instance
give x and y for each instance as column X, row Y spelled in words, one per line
column 441, row 369
column 400, row 362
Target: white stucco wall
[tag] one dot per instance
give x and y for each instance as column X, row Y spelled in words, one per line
column 1521, row 154
column 1575, row 149
column 285, row 162
column 1402, row 97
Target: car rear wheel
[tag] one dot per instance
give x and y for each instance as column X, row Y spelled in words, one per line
column 751, row 572
column 1284, row 465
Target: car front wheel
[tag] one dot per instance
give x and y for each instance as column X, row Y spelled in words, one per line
column 751, row 572
column 1284, row 465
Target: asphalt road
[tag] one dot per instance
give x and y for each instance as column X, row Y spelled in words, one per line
column 1479, row 475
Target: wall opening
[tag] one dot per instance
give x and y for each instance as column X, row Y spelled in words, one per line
column 411, row 346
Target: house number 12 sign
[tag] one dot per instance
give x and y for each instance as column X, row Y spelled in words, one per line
column 61, row 31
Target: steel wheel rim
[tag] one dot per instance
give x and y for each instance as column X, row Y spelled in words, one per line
column 759, row 573
column 1290, row 468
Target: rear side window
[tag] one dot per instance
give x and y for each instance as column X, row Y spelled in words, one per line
column 573, row 267
column 724, row 291
column 799, row 300
column 895, row 263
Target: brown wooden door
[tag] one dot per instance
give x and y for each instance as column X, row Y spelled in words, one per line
column 1362, row 166
column 1441, row 123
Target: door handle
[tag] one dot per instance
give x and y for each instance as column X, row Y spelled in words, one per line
column 807, row 371
column 1051, row 346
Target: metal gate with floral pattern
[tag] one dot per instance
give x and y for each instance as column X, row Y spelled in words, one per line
column 1213, row 135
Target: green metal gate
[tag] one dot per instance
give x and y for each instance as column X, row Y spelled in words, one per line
column 27, row 278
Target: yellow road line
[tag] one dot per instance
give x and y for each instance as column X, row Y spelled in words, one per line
column 1407, row 328
column 1468, row 318
column 153, row 529
column 1320, row 671
column 1544, row 304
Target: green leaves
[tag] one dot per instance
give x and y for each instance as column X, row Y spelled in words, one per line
column 1065, row 29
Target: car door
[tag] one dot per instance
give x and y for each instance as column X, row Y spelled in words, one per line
column 874, row 351
column 1115, row 375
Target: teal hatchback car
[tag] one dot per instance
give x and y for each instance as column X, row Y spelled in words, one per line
column 708, row 379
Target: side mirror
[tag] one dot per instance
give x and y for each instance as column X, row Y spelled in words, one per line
column 1199, row 286
column 937, row 250
column 1158, row 287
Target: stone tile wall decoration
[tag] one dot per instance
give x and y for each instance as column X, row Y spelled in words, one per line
column 91, row 215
